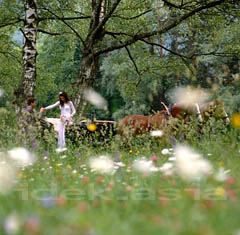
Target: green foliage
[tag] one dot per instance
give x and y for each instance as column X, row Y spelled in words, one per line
column 59, row 194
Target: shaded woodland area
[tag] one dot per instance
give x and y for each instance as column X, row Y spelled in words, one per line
column 132, row 53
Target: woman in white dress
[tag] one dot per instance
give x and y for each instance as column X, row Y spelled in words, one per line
column 67, row 112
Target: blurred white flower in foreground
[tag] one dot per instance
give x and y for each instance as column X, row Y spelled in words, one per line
column 95, row 98
column 102, row 164
column 167, row 168
column 21, row 156
column 157, row 133
column 222, row 174
column 7, row 177
column 165, row 151
column 144, row 166
column 12, row 224
column 188, row 96
column 190, row 165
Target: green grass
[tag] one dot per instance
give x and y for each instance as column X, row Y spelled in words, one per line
column 61, row 201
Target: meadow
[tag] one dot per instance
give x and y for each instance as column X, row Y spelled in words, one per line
column 106, row 188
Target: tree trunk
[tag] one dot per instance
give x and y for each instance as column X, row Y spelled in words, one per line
column 29, row 54
column 89, row 67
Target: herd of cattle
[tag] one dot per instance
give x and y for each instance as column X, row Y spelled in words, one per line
column 138, row 124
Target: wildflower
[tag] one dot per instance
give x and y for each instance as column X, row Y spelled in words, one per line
column 85, row 180
column 222, row 174
column 82, row 207
column 102, row 164
column 99, row 179
column 190, row 165
column 230, row 180
column 45, row 152
column 21, row 156
column 92, row 127
column 32, row 225
column 69, row 166
column 95, row 98
column 48, row 201
column 220, row 192
column 156, row 133
column 188, row 96
column 144, row 166
column 165, row 151
column 220, row 164
column 60, row 150
column 12, row 224
column 235, row 120
column 167, row 168
column 74, row 171
column 154, row 158
column 61, row 201
column 7, row 177
column 129, row 188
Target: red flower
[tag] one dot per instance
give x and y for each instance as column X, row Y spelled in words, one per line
column 154, row 158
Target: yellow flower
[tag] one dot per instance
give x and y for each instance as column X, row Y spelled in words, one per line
column 57, row 170
column 121, row 155
column 69, row 166
column 53, row 160
column 92, row 127
column 220, row 164
column 235, row 120
column 130, row 151
column 220, row 191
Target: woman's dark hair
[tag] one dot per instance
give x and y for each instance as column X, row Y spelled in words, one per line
column 64, row 94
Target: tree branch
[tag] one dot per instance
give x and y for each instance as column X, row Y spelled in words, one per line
column 134, row 17
column 50, row 33
column 104, row 21
column 169, row 4
column 165, row 29
column 25, row 36
column 11, row 23
column 131, row 58
column 6, row 53
column 172, row 52
column 63, row 18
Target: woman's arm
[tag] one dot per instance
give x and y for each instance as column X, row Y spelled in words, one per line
column 72, row 108
column 52, row 106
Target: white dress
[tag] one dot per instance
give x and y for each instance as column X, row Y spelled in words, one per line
column 67, row 111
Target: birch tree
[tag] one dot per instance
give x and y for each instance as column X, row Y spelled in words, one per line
column 29, row 54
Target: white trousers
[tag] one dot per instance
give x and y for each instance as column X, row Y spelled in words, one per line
column 61, row 135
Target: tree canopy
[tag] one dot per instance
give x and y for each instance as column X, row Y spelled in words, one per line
column 130, row 52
